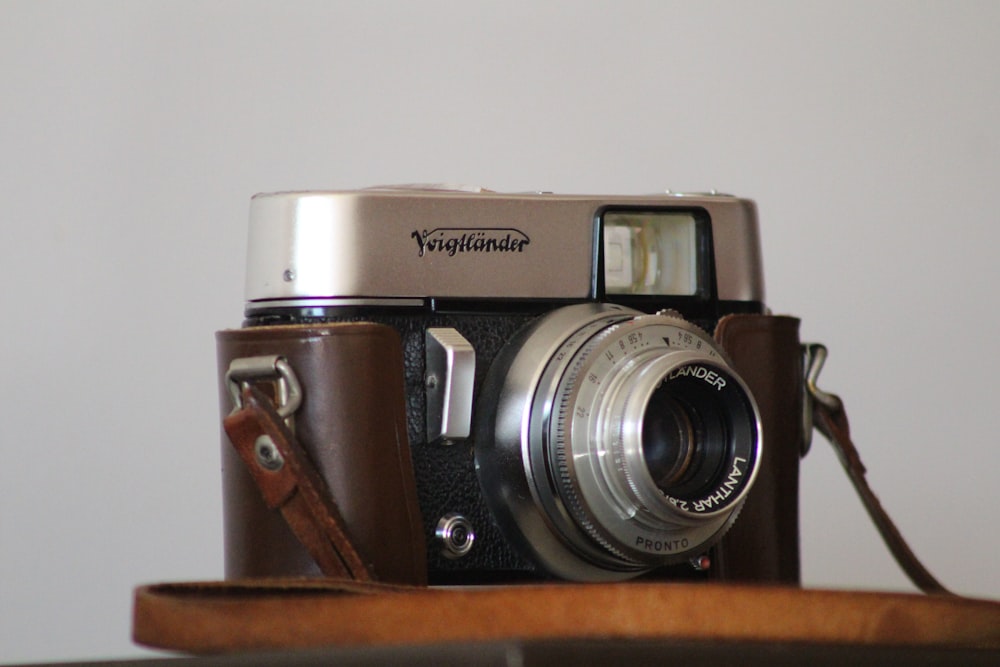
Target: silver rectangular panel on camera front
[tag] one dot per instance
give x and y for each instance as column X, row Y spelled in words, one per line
column 383, row 244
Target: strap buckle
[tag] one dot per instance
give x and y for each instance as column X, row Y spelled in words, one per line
column 249, row 370
column 814, row 356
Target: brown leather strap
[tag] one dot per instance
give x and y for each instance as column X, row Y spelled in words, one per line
column 289, row 483
column 271, row 614
column 831, row 420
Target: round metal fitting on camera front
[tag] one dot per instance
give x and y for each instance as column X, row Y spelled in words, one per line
column 267, row 454
column 456, row 535
column 636, row 441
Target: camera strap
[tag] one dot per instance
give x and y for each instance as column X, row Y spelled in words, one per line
column 830, row 419
column 272, row 614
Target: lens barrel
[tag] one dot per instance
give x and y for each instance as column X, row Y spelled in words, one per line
column 621, row 442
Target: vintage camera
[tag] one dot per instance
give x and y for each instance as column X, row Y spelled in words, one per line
column 567, row 411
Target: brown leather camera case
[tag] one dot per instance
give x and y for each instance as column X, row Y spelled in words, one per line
column 352, row 424
column 763, row 544
column 352, row 427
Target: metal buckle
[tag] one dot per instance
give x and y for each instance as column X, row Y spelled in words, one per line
column 248, row 370
column 814, row 356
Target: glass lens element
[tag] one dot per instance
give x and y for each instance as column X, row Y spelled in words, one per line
column 685, row 437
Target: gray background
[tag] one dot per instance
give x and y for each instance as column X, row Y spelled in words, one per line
column 132, row 135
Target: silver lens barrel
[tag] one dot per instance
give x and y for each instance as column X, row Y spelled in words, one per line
column 620, row 442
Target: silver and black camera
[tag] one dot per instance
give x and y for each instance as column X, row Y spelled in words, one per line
column 549, row 376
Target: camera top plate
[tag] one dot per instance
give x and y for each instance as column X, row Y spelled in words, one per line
column 406, row 246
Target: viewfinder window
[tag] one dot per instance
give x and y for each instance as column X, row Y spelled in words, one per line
column 651, row 253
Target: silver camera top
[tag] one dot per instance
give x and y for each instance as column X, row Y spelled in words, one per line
column 406, row 245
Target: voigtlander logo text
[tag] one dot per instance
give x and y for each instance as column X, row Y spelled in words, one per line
column 453, row 240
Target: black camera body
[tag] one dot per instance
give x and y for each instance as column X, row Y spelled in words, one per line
column 568, row 412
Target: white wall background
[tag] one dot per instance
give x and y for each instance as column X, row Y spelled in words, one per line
column 132, row 135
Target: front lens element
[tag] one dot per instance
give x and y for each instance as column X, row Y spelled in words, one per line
column 673, row 442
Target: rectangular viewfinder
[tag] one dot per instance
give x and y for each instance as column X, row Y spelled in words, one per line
column 652, row 252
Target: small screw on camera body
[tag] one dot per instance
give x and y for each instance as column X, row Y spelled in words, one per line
column 456, row 535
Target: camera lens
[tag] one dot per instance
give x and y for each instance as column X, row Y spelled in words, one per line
column 673, row 443
column 686, row 434
column 621, row 442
